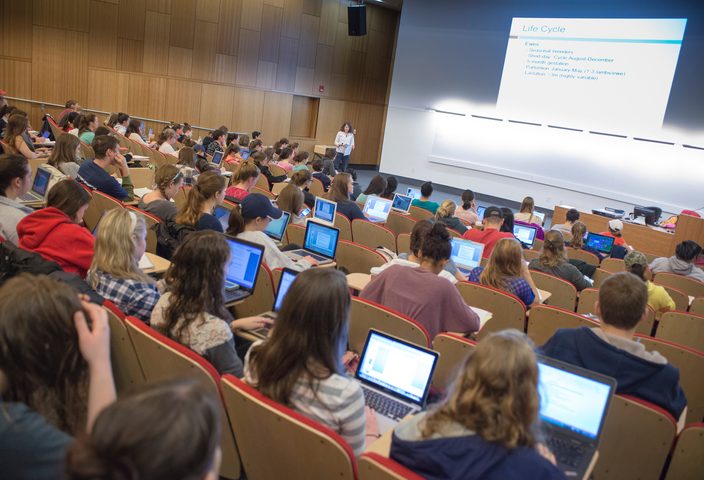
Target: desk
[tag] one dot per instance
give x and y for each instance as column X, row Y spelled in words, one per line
column 161, row 265
column 321, row 149
column 357, row 281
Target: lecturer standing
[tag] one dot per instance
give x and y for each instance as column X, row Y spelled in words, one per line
column 344, row 144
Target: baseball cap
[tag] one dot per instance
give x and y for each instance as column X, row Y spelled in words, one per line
column 493, row 212
column 257, row 205
column 635, row 258
column 616, row 224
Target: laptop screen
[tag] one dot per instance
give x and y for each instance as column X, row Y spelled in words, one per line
column 276, row 228
column 223, row 216
column 540, row 215
column 324, row 209
column 400, row 367
column 401, row 202
column 217, row 158
column 414, row 193
column 321, row 239
column 480, row 212
column 41, row 181
column 287, row 278
column 600, row 243
column 466, row 253
column 245, row 259
column 525, row 234
column 377, row 208
column 572, row 401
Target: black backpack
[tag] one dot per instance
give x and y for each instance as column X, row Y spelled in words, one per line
column 169, row 236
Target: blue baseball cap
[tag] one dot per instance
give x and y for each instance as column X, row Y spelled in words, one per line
column 257, row 205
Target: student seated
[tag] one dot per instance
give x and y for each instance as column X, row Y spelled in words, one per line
column 65, row 155
column 17, row 128
column 421, row 294
column 291, row 200
column 391, row 186
column 508, row 271
column 86, row 127
column 492, row 222
column 300, row 364
column 300, row 161
column 467, row 212
column 262, row 159
column 486, row 428
column 340, row 191
column 356, row 188
column 55, row 374
column 137, row 434
column 114, row 272
column 658, row 298
column 571, row 217
column 168, row 180
column 682, row 262
column 166, row 142
column 376, row 186
column 123, row 119
column 285, row 159
column 94, row 172
column 134, row 132
column 615, row 231
column 218, row 142
column 507, row 226
column 244, row 179
column 426, row 190
column 579, row 231
column 525, row 214
column 15, row 181
column 302, row 179
column 202, row 198
column 232, row 156
column 55, row 232
column 446, row 214
column 249, row 222
column 193, row 312
column 553, row 260
column 611, row 349
column 317, row 166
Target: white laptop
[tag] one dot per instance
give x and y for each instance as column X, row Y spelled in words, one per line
column 395, row 377
column 402, row 203
column 377, row 209
column 466, row 254
column 540, row 215
column 39, row 187
column 414, row 193
column 320, row 243
column 216, row 161
column 277, row 228
column 525, row 234
column 324, row 210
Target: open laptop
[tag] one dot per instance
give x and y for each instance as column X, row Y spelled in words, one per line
column 573, row 406
column 377, row 209
column 525, row 234
column 540, row 215
column 216, row 161
column 480, row 212
column 414, row 193
column 466, row 254
column 402, row 203
column 395, row 377
column 320, row 243
column 223, row 216
column 600, row 243
column 287, row 278
column 324, row 210
column 241, row 273
column 39, row 187
column 277, row 228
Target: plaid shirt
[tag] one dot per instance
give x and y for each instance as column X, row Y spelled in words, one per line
column 515, row 285
column 134, row 298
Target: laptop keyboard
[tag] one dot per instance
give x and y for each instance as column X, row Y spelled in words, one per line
column 384, row 405
column 28, row 197
column 566, row 451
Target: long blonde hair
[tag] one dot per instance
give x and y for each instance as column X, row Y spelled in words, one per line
column 553, row 252
column 504, row 262
column 208, row 185
column 495, row 394
column 446, row 209
column 115, row 246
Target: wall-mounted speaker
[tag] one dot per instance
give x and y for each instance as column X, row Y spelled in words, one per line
column 357, row 20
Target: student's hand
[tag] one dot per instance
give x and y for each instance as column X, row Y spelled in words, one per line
column 94, row 341
column 311, row 260
column 372, row 425
column 251, row 323
column 122, row 165
column 545, row 452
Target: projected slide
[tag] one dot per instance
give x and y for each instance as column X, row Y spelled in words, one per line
column 590, row 73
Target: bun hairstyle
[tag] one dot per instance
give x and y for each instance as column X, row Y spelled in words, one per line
column 446, row 209
column 467, row 199
column 436, row 245
column 138, row 438
column 553, row 253
column 301, row 177
column 208, row 185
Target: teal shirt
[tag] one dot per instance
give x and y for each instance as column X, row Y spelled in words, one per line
column 432, row 207
column 87, row 137
column 299, row 167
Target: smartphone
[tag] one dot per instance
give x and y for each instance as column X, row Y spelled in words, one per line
column 304, row 213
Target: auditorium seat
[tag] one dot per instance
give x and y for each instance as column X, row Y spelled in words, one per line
column 506, row 309
column 583, row 255
column 453, row 349
column 261, row 299
column 316, row 187
column 530, row 254
column 688, row 455
column 295, row 234
column 403, row 243
column 142, row 177
column 150, row 220
column 126, row 368
column 262, row 182
column 687, row 285
column 599, row 276
column 264, row 192
column 276, row 171
column 697, row 306
column 680, row 298
column 418, row 213
column 545, row 320
column 683, row 328
column 613, row 265
column 373, row 235
column 357, row 258
column 372, row 466
column 343, row 224
column 399, row 223
column 564, row 294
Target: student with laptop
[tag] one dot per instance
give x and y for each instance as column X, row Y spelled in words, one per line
column 611, row 349
column 553, row 260
column 526, row 213
column 94, row 172
column 577, row 235
column 291, row 200
column 193, row 311
column 616, row 231
column 376, row 186
column 202, row 198
column 244, row 180
column 15, row 181
column 446, row 215
column 426, row 190
column 401, row 203
column 493, row 219
column 340, row 192
column 377, row 209
column 485, row 429
column 467, row 212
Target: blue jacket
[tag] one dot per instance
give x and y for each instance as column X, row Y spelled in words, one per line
column 95, row 177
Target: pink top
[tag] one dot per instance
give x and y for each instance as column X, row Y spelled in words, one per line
column 285, row 165
column 469, row 216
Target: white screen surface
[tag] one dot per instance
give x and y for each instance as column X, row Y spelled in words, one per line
column 377, row 208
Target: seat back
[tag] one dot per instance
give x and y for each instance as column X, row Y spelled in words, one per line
column 687, row 285
column 105, row 202
column 262, row 183
column 587, row 301
column 276, row 170
column 373, row 235
column 343, row 224
column 162, row 357
column 697, row 306
column 87, row 151
column 454, row 233
column 261, row 299
column 316, row 187
column 295, row 234
column 506, row 309
column 538, row 244
column 583, row 255
column 688, row 455
column 126, row 368
column 264, row 191
column 613, row 265
column 530, row 254
column 302, row 448
column 680, row 298
column 599, row 276
column 454, row 350
column 418, row 213
column 399, row 223
column 366, row 314
column 545, row 320
column 403, row 243
column 142, row 177
column 635, row 442
column 357, row 258
column 564, row 294
column 151, row 220
column 683, row 328
column 278, row 187
column 372, row 466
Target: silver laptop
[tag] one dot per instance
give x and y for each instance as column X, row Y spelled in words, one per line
column 320, row 243
column 395, row 377
column 414, row 193
column 466, row 254
column 39, row 187
column 377, row 209
column 223, row 216
column 324, row 210
column 285, row 282
column 216, row 161
column 401, row 203
column 573, row 406
column 525, row 234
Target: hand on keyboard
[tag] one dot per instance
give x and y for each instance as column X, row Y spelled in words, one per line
column 545, row 452
column 251, row 323
column 310, row 260
column 372, row 426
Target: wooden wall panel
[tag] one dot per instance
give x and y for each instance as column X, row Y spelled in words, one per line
column 180, row 62
column 102, row 49
column 312, row 7
column 328, row 23
column 15, row 78
column 248, row 58
column 216, row 106
column 146, row 96
column 229, row 26
column 182, row 102
column 204, row 47
column 107, row 90
column 225, row 69
column 247, row 110
column 160, row 6
column 286, row 65
column 130, row 19
column 208, row 10
column 293, row 10
column 156, row 43
column 183, row 18
column 73, row 15
column 252, row 14
column 130, row 54
column 270, row 33
column 276, row 120
column 16, row 29
column 308, row 44
column 266, row 75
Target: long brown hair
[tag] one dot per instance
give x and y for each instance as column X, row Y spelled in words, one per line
column 64, row 150
column 309, row 338
column 578, row 231
column 16, row 126
column 68, row 196
column 245, row 171
column 553, row 252
column 527, row 205
column 339, row 190
column 376, row 186
column 504, row 262
column 166, row 175
column 85, row 121
column 301, row 177
column 495, row 394
column 207, row 186
column 290, row 199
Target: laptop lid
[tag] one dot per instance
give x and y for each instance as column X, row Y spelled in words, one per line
column 277, row 227
column 321, row 239
column 480, row 212
column 41, row 181
column 466, row 253
column 525, row 234
column 287, row 278
column 324, row 210
column 377, row 208
column 217, row 158
column 223, row 216
column 573, row 399
column 397, row 367
column 600, row 243
column 414, row 193
column 540, row 215
column 402, row 202
column 243, row 267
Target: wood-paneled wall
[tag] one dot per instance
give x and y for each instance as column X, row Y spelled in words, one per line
column 207, row 62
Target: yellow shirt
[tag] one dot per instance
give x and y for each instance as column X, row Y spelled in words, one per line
column 658, row 298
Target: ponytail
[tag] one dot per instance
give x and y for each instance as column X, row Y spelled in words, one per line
column 446, row 210
column 236, row 223
column 209, row 184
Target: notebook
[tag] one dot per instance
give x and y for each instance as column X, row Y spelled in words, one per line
column 324, row 210
column 414, row 193
column 525, row 234
column 573, row 406
column 223, row 216
column 377, row 209
column 466, row 254
column 287, row 278
column 39, row 187
column 242, row 270
column 600, row 243
column 320, row 243
column 395, row 377
column 402, row 203
column 217, row 159
column 277, row 228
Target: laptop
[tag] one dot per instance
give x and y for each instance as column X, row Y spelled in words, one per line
column 395, row 377
column 287, row 278
column 600, row 243
column 217, row 158
column 320, row 243
column 540, row 215
column 402, row 203
column 377, row 209
column 480, row 212
column 414, row 193
column 242, row 270
column 223, row 216
column 466, row 254
column 39, row 187
column 324, row 210
column 525, row 234
column 277, row 228
column 573, row 406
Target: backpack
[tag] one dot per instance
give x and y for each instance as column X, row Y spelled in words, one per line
column 169, row 235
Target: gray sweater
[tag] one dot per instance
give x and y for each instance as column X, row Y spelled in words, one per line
column 11, row 212
column 565, row 271
column 675, row 265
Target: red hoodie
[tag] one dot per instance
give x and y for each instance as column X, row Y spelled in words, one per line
column 488, row 236
column 51, row 233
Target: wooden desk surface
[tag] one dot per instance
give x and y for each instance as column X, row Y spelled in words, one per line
column 357, row 281
column 320, row 149
column 161, row 265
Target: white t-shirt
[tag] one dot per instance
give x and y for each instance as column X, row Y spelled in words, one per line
column 167, row 149
column 137, row 138
column 347, row 139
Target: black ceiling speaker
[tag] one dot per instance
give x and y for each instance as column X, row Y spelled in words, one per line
column 357, row 20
